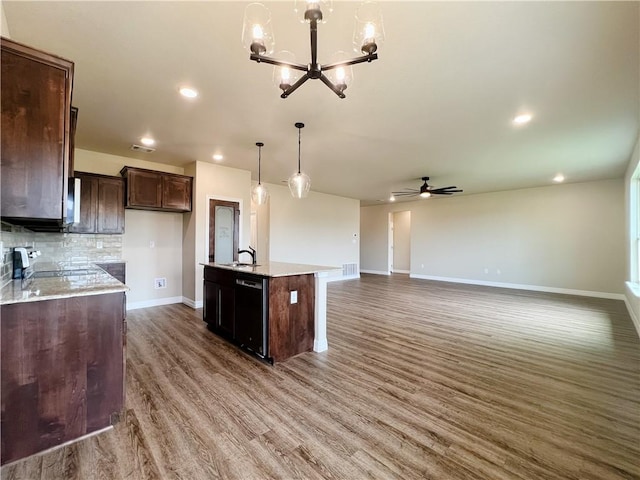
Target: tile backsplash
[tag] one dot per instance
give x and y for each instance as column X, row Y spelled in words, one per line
column 67, row 248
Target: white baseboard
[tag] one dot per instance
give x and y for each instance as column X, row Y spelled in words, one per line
column 156, row 302
column 518, row 286
column 343, row 277
column 400, row 271
column 192, row 303
column 375, row 272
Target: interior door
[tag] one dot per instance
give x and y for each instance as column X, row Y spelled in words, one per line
column 224, row 224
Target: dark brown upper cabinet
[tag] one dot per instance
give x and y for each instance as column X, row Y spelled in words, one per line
column 101, row 204
column 36, row 123
column 152, row 190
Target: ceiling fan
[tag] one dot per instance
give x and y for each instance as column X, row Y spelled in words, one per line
column 426, row 190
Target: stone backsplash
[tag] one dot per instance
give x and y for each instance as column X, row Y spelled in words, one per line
column 67, row 248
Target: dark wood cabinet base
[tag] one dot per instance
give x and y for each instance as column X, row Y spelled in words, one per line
column 62, row 371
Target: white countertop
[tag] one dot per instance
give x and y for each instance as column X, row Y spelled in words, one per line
column 36, row 289
column 276, row 269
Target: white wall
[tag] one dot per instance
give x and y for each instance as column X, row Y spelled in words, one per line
column 563, row 237
column 211, row 181
column 144, row 263
column 4, row 28
column 402, row 241
column 318, row 230
column 632, row 286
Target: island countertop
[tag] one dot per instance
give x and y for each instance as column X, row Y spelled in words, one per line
column 63, row 283
column 275, row 269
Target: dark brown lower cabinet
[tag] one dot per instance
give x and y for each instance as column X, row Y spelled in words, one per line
column 62, row 370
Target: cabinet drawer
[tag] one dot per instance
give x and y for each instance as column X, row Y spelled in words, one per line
column 223, row 277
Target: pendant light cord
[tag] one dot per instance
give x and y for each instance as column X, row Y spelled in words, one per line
column 299, row 130
column 259, row 163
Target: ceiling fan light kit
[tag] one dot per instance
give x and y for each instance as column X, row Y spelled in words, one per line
column 258, row 39
column 425, row 191
column 259, row 193
column 299, row 183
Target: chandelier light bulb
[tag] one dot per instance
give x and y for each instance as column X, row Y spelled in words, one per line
column 340, row 74
column 285, row 75
column 369, row 32
column 257, row 32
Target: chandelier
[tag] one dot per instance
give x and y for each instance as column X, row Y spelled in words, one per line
column 258, row 38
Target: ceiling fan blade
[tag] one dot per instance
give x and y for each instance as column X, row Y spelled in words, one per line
column 444, row 192
column 404, row 194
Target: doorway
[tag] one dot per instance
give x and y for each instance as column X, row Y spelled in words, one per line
column 400, row 242
column 224, row 231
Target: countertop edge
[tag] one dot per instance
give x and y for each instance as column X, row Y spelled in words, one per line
column 264, row 270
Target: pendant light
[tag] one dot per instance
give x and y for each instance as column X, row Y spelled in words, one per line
column 299, row 183
column 259, row 193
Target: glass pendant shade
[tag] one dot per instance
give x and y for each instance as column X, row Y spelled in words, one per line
column 368, row 32
column 341, row 77
column 259, row 193
column 257, row 31
column 308, row 10
column 299, row 183
column 284, row 77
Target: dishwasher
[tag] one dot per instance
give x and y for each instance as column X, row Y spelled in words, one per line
column 251, row 313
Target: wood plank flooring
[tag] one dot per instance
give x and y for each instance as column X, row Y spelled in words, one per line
column 422, row 380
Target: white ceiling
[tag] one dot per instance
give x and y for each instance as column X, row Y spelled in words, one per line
column 438, row 102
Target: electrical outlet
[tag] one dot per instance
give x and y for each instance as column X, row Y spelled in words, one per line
column 99, row 244
column 160, row 283
column 294, row 296
column 152, row 244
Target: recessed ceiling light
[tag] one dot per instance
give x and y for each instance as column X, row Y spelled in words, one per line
column 522, row 119
column 148, row 141
column 188, row 92
column 217, row 157
column 392, row 198
column 559, row 178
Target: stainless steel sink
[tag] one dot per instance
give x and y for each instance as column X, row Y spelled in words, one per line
column 240, row 264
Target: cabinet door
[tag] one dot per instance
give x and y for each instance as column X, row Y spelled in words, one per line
column 36, row 103
column 226, row 318
column 144, row 189
column 110, row 205
column 210, row 306
column 176, row 193
column 88, row 205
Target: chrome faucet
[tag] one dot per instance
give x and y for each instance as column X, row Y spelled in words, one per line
column 252, row 252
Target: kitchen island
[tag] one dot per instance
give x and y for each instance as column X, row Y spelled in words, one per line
column 63, row 358
column 275, row 310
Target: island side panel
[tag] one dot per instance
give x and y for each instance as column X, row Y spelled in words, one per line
column 291, row 326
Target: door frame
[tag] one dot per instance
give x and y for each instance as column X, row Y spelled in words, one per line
column 208, row 216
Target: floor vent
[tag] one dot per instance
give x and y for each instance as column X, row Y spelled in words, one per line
column 349, row 269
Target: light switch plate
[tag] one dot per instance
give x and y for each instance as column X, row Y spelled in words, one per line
column 294, row 296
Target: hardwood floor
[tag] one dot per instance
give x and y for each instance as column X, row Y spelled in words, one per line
column 422, row 380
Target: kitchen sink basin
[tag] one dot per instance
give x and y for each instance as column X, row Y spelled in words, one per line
column 240, row 264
